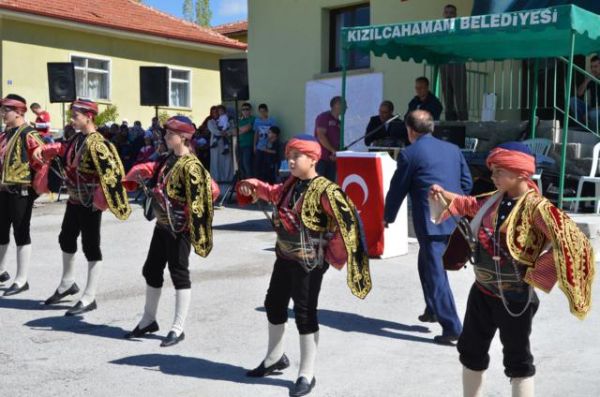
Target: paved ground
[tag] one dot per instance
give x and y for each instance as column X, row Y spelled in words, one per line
column 374, row 347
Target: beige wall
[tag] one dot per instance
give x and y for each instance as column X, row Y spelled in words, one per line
column 286, row 52
column 26, row 48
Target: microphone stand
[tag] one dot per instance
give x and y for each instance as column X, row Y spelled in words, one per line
column 372, row 132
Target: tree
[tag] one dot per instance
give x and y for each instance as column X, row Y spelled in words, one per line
column 188, row 10
column 203, row 12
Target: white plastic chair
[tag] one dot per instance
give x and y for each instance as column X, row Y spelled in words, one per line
column 592, row 178
column 470, row 145
column 538, row 146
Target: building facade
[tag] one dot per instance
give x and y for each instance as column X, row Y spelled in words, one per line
column 108, row 41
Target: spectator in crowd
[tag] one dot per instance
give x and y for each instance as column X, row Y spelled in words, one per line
column 246, row 141
column 223, row 130
column 425, row 100
column 201, row 146
column 327, row 131
column 261, row 127
column 113, row 132
column 161, row 149
column 105, row 131
column 388, row 133
column 155, row 131
column 221, row 162
column 272, row 156
column 146, row 152
column 454, row 81
column 587, row 112
column 124, row 147
column 42, row 122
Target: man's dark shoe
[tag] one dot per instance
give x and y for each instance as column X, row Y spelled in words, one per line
column 58, row 296
column 4, row 277
column 15, row 289
column 137, row 332
column 302, row 387
column 172, row 339
column 448, row 340
column 261, row 370
column 79, row 308
column 428, row 318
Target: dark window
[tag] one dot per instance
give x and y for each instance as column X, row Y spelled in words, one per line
column 342, row 18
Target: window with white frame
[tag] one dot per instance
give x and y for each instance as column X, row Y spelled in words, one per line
column 92, row 77
column 179, row 88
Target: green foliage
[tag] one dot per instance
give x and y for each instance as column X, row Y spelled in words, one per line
column 111, row 113
column 188, row 10
column 203, row 13
column 163, row 117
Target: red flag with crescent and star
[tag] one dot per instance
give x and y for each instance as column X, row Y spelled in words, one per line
column 362, row 180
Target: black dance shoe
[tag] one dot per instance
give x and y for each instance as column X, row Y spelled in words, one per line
column 4, row 277
column 15, row 289
column 447, row 340
column 302, row 387
column 261, row 370
column 172, row 339
column 428, row 318
column 58, row 296
column 137, row 332
column 79, row 308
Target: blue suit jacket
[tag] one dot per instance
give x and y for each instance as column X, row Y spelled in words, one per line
column 426, row 162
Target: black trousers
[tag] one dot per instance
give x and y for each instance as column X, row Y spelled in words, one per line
column 454, row 88
column 289, row 280
column 168, row 248
column 485, row 314
column 15, row 211
column 79, row 219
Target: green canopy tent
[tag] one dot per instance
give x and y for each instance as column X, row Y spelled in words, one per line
column 529, row 34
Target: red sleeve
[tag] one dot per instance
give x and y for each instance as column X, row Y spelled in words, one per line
column 139, row 172
column 32, row 144
column 51, row 150
column 215, row 190
column 264, row 191
column 45, row 117
column 465, row 206
column 543, row 274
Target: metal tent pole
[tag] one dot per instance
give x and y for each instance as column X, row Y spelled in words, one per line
column 534, row 107
column 563, row 162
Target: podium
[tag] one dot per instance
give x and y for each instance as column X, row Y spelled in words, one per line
column 366, row 177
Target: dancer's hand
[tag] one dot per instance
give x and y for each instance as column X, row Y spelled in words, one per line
column 436, row 190
column 438, row 194
column 37, row 155
column 247, row 189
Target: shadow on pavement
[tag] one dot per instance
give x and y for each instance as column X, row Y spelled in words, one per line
column 77, row 325
column 29, row 304
column 198, row 368
column 351, row 322
column 255, row 225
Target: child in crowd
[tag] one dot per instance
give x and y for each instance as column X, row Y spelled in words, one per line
column 223, row 125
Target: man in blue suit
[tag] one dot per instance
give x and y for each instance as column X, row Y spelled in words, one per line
column 425, row 162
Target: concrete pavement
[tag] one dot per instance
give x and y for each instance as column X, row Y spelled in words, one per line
column 374, row 347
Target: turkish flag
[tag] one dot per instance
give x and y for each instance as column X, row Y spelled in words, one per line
column 362, row 180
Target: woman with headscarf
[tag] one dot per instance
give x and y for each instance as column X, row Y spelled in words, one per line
column 93, row 173
column 182, row 194
column 317, row 225
column 522, row 241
